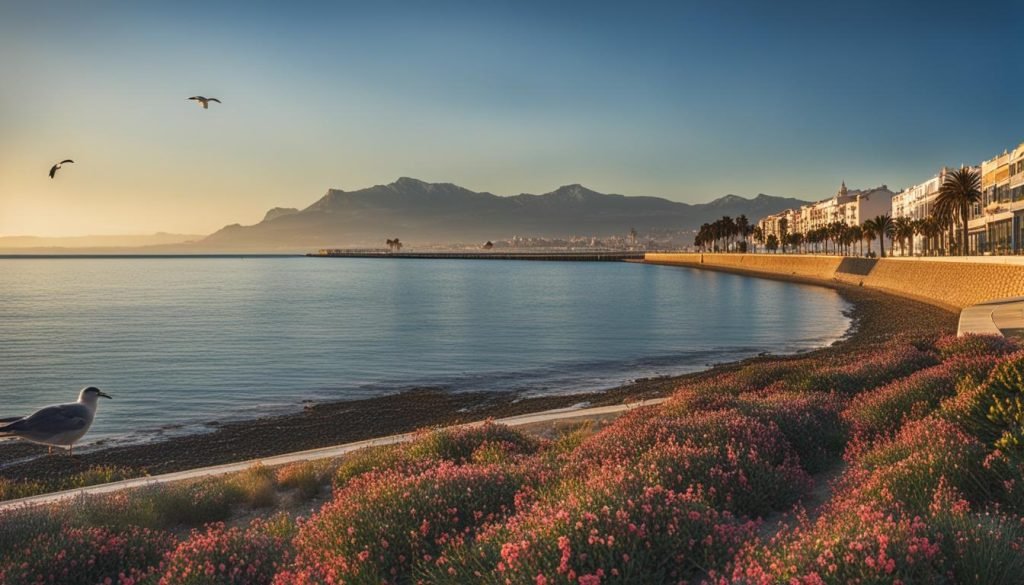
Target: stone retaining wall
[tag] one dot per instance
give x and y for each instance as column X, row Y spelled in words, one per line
column 949, row 284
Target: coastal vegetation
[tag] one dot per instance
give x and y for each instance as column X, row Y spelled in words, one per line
column 899, row 463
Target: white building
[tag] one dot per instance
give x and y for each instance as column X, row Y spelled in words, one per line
column 918, row 202
column 848, row 206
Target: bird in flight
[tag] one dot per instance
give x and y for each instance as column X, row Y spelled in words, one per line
column 53, row 169
column 204, row 101
column 60, row 425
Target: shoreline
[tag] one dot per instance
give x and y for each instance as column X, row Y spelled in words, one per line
column 874, row 316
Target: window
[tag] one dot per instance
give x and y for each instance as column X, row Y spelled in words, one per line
column 999, row 236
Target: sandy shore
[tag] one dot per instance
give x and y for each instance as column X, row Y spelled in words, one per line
column 876, row 317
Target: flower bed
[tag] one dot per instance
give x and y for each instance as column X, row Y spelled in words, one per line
column 384, row 524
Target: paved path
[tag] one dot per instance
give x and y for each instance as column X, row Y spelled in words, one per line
column 559, row 414
column 992, row 317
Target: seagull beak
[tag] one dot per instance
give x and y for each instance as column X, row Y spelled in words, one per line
column 104, row 395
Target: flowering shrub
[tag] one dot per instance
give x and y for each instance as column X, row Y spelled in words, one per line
column 383, row 524
column 155, row 507
column 810, row 422
column 884, row 409
column 570, row 440
column 456, row 444
column 223, row 556
column 614, row 529
column 982, row 547
column 760, row 375
column 861, row 545
column 906, row 471
column 632, row 435
column 994, row 410
column 732, row 477
column 972, row 345
column 694, row 398
column 87, row 556
column 369, row 459
column 864, row 371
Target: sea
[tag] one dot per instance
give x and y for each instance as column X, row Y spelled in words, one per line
column 185, row 343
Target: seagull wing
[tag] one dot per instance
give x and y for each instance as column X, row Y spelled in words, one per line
column 197, row 97
column 214, row 100
column 6, row 422
column 59, row 418
column 67, row 160
column 53, row 170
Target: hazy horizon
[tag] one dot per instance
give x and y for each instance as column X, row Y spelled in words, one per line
column 679, row 101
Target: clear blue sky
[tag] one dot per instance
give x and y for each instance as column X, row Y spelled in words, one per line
column 684, row 100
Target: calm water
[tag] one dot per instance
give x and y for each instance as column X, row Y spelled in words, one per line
column 181, row 342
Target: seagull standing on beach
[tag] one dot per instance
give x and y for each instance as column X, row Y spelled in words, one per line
column 60, row 425
column 204, row 101
column 54, row 168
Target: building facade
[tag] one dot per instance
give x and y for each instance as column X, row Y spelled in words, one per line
column 918, row 203
column 848, row 206
column 996, row 225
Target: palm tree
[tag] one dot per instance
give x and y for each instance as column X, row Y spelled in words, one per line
column 917, row 228
column 743, row 227
column 758, row 235
column 772, row 243
column 903, row 230
column 728, row 230
column 868, row 230
column 959, row 191
column 857, row 235
column 882, row 226
column 795, row 239
column 391, row 244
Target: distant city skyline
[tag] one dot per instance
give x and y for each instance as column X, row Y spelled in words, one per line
column 687, row 101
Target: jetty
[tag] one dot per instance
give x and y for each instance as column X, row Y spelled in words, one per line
column 602, row 256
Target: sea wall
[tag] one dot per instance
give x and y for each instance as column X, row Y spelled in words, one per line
column 946, row 282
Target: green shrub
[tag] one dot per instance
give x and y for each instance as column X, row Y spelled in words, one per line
column 994, row 410
column 306, row 477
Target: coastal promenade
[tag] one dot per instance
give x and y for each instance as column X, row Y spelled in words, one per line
column 610, row 256
column 951, row 283
column 997, row 317
column 988, row 291
column 523, row 420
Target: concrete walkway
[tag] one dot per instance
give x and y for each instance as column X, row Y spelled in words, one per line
column 560, row 414
column 993, row 317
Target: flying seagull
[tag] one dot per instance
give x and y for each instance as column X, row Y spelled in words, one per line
column 60, row 425
column 204, row 101
column 53, row 169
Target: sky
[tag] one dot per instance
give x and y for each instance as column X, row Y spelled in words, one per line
column 683, row 100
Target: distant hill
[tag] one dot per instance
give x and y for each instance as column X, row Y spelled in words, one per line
column 423, row 213
column 18, row 244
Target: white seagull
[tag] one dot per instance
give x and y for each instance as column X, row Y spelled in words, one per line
column 204, row 101
column 60, row 425
column 53, row 169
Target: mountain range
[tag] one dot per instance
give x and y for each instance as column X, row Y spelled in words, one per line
column 98, row 244
column 423, row 214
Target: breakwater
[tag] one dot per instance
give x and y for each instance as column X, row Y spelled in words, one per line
column 549, row 256
column 951, row 283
